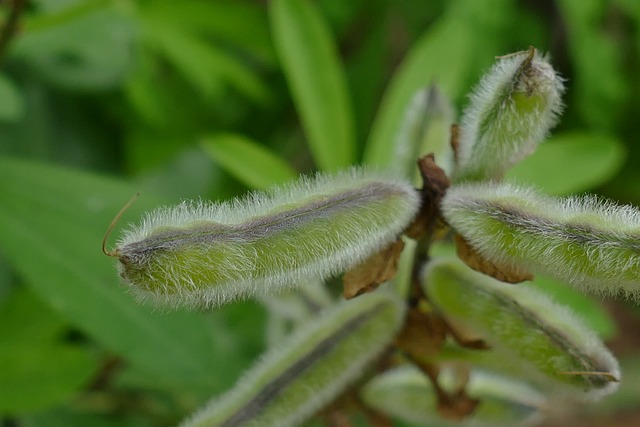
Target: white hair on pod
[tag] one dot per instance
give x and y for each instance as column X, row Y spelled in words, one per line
column 206, row 254
column 585, row 241
column 511, row 111
column 539, row 333
column 292, row 381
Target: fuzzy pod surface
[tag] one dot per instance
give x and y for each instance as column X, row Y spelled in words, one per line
column 425, row 129
column 545, row 335
column 206, row 254
column 584, row 241
column 310, row 368
column 406, row 393
column 510, row 112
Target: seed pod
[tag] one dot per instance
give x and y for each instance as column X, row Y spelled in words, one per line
column 206, row 254
column 586, row 242
column 425, row 129
column 407, row 394
column 511, row 111
column 541, row 333
column 309, row 369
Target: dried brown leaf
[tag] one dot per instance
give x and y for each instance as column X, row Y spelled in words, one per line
column 456, row 406
column 423, row 334
column 434, row 187
column 379, row 268
column 476, row 261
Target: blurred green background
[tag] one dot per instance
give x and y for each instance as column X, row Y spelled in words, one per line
column 100, row 99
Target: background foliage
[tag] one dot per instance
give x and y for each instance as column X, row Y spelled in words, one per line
column 205, row 99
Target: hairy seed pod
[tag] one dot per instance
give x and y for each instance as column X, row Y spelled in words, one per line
column 516, row 103
column 544, row 335
column 425, row 129
column 584, row 241
column 310, row 368
column 406, row 393
column 206, row 254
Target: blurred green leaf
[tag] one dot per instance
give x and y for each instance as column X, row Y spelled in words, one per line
column 367, row 67
column 317, row 81
column 39, row 370
column 91, row 49
column 445, row 55
column 440, row 56
column 11, row 101
column 68, row 418
column 51, row 224
column 570, row 163
column 202, row 63
column 247, row 160
column 599, row 87
column 242, row 25
column 592, row 313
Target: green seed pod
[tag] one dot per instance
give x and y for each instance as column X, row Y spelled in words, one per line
column 586, row 242
column 425, row 129
column 310, row 368
column 527, row 323
column 205, row 254
column 406, row 393
column 516, row 103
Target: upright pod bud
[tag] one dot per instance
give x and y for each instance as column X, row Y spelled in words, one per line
column 425, row 129
column 206, row 254
column 510, row 113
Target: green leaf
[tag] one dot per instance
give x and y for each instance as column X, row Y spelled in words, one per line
column 38, row 370
column 599, row 86
column 248, row 161
column 243, row 25
column 463, row 40
column 570, row 163
column 90, row 49
column 11, row 101
column 317, row 81
column 202, row 63
column 67, row 418
column 51, row 224
column 440, row 56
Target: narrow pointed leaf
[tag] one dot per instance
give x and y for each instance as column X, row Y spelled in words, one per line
column 52, row 221
column 39, row 369
column 439, row 57
column 248, row 161
column 317, row 80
